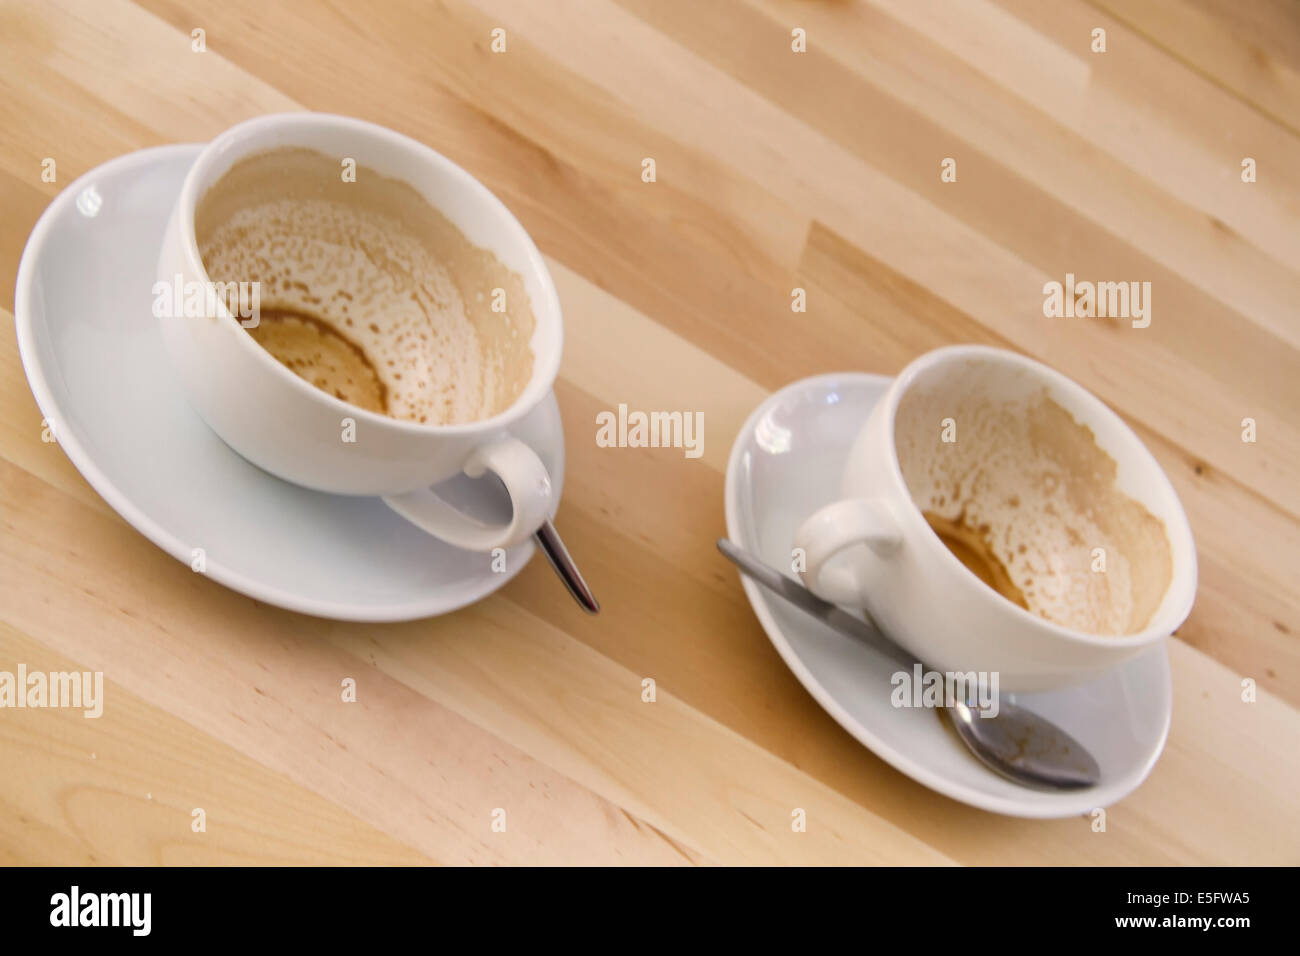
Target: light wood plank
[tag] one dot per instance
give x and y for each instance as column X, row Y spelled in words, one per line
column 147, row 772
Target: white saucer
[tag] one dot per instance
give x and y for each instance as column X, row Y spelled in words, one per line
column 786, row 464
column 96, row 364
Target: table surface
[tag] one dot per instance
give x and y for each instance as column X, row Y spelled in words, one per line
column 775, row 170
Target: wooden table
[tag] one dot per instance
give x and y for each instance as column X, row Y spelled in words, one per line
column 775, row 170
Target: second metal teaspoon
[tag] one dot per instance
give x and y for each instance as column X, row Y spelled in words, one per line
column 1016, row 743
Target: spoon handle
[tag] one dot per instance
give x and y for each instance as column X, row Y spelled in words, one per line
column 549, row 540
column 829, row 614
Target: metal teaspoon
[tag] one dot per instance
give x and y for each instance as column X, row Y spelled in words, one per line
column 1016, row 743
column 549, row 540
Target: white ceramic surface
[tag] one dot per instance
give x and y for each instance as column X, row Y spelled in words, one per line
column 94, row 357
column 786, row 463
column 870, row 547
column 292, row 429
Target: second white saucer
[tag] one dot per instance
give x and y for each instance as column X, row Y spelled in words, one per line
column 786, row 463
column 97, row 367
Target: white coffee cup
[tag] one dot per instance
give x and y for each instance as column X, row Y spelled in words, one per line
column 294, row 430
column 875, row 550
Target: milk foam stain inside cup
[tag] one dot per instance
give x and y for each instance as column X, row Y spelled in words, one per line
column 366, row 290
column 1024, row 497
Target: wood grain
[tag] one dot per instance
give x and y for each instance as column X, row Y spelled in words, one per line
column 775, row 170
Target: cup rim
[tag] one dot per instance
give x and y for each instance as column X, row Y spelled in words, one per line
column 1179, row 535
column 547, row 314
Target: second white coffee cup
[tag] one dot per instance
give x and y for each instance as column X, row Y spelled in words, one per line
column 294, row 430
column 874, row 549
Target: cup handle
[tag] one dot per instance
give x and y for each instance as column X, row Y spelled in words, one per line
column 526, row 480
column 834, row 528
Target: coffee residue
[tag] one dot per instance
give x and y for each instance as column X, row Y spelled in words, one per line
column 1027, row 499
column 315, row 351
column 973, row 549
column 367, row 291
